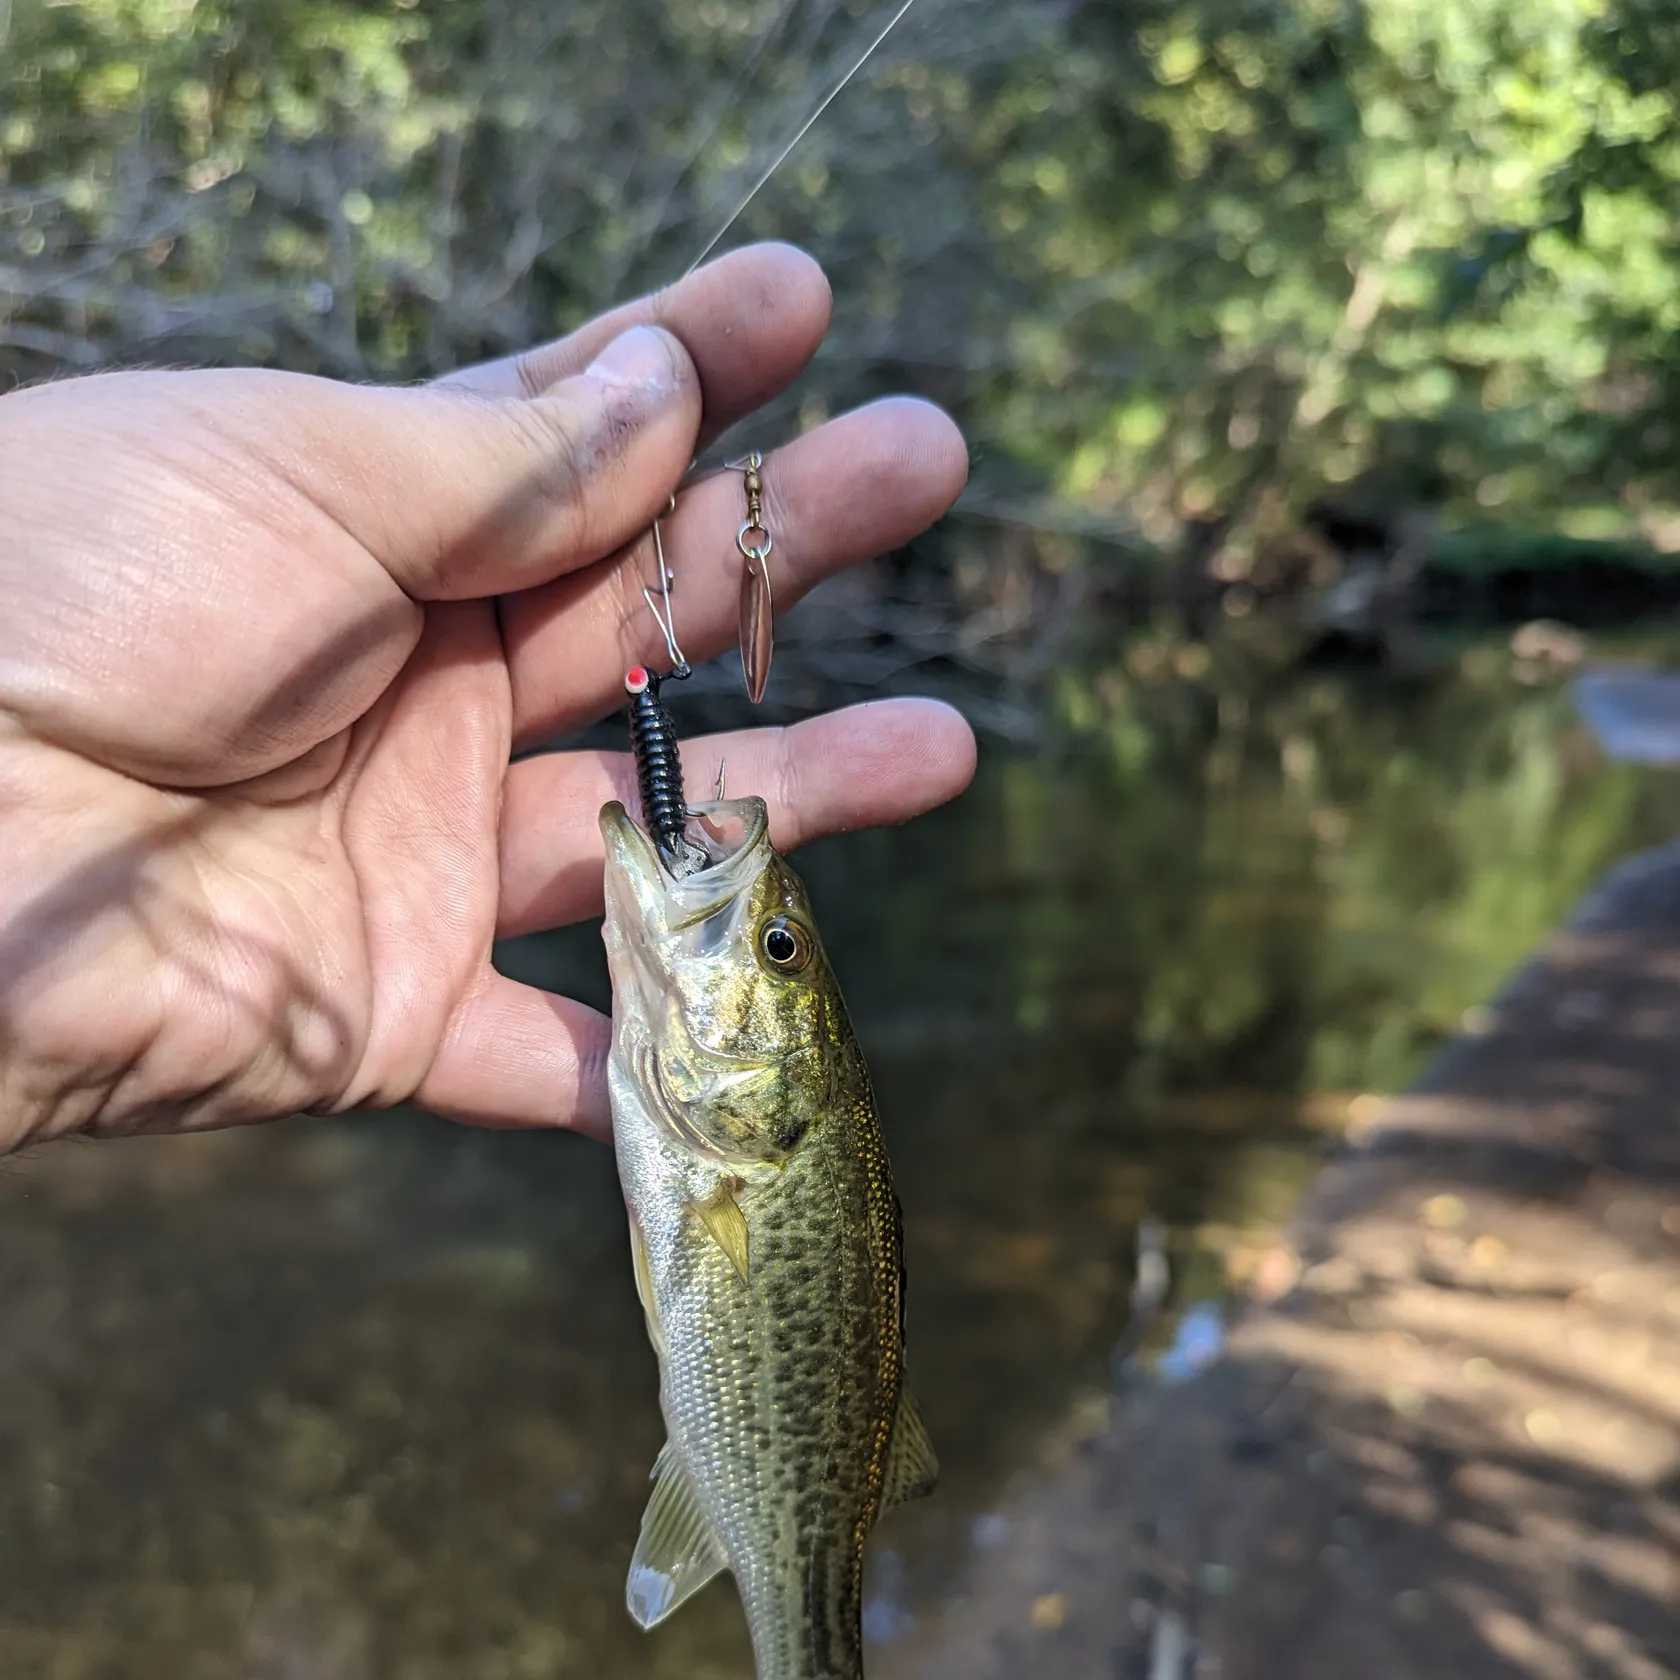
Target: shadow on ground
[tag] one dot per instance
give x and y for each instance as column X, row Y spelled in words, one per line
column 1451, row 1444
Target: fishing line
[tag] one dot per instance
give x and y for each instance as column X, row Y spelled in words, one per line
column 805, row 128
column 721, row 108
column 653, row 735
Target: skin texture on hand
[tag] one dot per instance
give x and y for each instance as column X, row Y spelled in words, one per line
column 269, row 641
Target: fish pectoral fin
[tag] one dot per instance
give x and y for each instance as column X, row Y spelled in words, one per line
column 912, row 1468
column 677, row 1553
column 726, row 1224
column 644, row 1286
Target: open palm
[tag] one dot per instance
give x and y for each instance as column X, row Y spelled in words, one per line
column 268, row 643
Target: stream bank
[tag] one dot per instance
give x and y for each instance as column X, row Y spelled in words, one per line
column 1450, row 1442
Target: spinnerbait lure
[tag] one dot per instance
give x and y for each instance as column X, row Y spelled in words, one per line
column 766, row 1238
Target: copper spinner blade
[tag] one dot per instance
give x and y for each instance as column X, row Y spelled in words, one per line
column 756, row 629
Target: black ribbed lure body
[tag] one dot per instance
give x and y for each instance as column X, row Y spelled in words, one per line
column 659, row 775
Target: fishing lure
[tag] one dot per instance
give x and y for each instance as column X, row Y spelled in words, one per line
column 757, row 608
column 765, row 1233
column 753, row 539
column 659, row 776
column 766, row 1236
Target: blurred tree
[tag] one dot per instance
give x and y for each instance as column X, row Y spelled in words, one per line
column 1186, row 265
column 1414, row 253
column 388, row 187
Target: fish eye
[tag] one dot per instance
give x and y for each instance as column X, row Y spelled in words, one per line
column 785, row 944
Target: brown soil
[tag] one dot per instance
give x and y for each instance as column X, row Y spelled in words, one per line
column 1450, row 1445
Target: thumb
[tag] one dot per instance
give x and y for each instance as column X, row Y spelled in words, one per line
column 459, row 495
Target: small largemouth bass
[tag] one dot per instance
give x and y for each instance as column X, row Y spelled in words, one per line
column 767, row 1244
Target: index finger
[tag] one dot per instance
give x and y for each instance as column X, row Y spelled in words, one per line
column 750, row 321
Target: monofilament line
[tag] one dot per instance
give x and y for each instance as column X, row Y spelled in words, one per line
column 805, row 128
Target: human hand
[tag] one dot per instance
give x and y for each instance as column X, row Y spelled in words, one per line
column 268, row 642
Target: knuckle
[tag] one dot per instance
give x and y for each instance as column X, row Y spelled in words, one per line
column 550, row 432
column 788, row 779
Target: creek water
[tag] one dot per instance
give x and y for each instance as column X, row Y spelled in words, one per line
column 371, row 1399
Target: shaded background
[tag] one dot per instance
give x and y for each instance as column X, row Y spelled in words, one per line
column 1184, row 269
column 1318, row 361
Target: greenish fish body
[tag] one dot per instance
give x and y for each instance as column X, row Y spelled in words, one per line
column 767, row 1244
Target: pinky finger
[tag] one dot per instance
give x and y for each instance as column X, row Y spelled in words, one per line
column 514, row 1056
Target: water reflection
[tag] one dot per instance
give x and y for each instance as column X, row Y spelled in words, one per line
column 372, row 1399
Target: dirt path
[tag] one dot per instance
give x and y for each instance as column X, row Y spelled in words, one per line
column 1452, row 1448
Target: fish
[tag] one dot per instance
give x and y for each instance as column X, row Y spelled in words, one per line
column 767, row 1243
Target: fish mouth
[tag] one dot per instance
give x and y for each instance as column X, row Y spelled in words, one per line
column 662, row 934
column 659, row 926
column 734, row 834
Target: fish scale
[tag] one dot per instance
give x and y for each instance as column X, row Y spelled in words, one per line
column 743, row 1113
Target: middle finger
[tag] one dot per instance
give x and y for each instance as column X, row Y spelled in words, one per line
column 854, row 488
column 884, row 761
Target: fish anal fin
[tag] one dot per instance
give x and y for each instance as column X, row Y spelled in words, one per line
column 912, row 1468
column 676, row 1553
column 726, row 1224
column 643, row 1273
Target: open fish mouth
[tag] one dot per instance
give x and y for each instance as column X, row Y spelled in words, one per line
column 658, row 924
column 733, row 833
column 671, row 940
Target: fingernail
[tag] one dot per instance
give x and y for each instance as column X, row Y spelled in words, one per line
column 639, row 357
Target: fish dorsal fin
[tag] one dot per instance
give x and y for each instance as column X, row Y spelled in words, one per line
column 721, row 1214
column 912, row 1468
column 643, row 1273
column 676, row 1553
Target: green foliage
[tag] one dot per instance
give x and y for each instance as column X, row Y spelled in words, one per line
column 389, row 187
column 1182, row 261
column 1420, row 250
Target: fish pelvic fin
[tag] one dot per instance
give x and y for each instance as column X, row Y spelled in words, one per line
column 726, row 1224
column 677, row 1552
column 912, row 1468
column 643, row 1273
